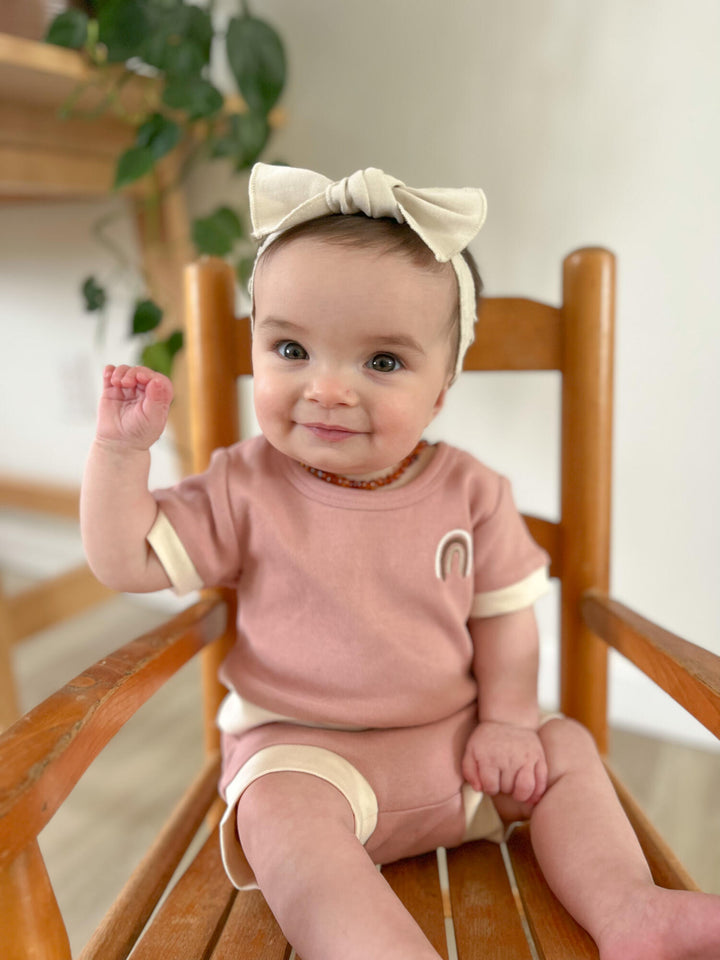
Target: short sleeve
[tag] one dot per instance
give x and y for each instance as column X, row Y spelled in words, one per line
column 511, row 570
column 196, row 535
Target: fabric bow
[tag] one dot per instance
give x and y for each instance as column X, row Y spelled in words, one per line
column 445, row 218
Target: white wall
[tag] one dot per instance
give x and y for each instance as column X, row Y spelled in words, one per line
column 585, row 124
column 51, row 356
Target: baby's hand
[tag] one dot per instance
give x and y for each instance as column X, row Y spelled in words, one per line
column 134, row 405
column 504, row 758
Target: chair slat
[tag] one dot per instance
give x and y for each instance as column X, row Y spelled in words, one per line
column 251, row 932
column 485, row 914
column 417, row 883
column 516, row 334
column 666, row 869
column 45, row 753
column 548, row 535
column 557, row 936
column 54, row 600
column 44, row 497
column 242, row 347
column 689, row 673
column 191, row 919
column 123, row 924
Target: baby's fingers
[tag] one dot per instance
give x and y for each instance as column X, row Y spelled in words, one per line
column 541, row 780
column 159, row 389
column 480, row 774
column 118, row 374
column 470, row 770
column 525, row 784
column 531, row 782
column 490, row 779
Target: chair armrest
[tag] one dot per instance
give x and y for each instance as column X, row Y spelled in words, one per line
column 44, row 754
column 689, row 673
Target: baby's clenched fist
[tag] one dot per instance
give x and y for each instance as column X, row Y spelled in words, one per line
column 134, row 405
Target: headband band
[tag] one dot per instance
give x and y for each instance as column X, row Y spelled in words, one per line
column 445, row 219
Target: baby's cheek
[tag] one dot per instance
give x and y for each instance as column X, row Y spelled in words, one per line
column 267, row 402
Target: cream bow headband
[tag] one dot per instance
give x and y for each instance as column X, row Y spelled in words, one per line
column 446, row 219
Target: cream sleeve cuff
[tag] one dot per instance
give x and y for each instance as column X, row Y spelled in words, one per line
column 173, row 556
column 515, row 597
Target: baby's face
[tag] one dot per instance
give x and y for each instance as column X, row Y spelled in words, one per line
column 351, row 354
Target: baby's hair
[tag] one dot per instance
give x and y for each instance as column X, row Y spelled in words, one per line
column 387, row 236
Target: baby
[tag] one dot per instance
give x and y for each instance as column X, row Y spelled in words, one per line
column 382, row 693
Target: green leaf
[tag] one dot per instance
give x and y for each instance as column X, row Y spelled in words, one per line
column 216, row 234
column 159, row 356
column 175, row 342
column 200, row 30
column 257, row 60
column 159, row 134
column 122, row 27
column 147, row 317
column 69, row 29
column 179, row 40
column 245, row 140
column 95, row 295
column 133, row 164
column 183, row 59
column 199, row 98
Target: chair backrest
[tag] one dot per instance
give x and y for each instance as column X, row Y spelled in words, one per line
column 574, row 338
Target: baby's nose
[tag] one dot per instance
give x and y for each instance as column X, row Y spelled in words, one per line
column 329, row 388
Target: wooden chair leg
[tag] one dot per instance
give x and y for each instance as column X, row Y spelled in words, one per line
column 30, row 919
column 9, row 705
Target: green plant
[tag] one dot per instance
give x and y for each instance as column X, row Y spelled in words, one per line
column 175, row 43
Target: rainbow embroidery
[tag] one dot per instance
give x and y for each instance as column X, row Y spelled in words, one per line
column 454, row 552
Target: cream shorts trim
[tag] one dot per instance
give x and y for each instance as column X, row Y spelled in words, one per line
column 293, row 758
column 482, row 821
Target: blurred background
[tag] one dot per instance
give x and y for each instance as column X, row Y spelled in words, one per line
column 585, row 124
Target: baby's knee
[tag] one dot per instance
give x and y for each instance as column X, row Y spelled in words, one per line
column 282, row 806
column 567, row 743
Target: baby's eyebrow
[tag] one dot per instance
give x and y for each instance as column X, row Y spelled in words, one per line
column 398, row 341
column 278, row 325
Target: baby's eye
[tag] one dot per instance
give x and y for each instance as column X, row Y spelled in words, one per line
column 384, row 363
column 291, row 350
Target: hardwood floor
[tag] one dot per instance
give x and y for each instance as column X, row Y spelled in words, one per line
column 108, row 821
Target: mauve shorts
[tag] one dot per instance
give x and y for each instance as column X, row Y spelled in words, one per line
column 404, row 785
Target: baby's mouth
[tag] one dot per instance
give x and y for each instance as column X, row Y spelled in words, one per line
column 332, row 433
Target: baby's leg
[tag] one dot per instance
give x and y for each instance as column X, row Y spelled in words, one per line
column 593, row 862
column 297, row 832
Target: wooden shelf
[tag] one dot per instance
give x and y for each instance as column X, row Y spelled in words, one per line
column 42, row 155
column 39, row 73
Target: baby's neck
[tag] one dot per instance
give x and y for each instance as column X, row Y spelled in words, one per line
column 416, row 468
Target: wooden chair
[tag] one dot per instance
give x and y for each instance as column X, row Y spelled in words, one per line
column 43, row 755
column 47, row 601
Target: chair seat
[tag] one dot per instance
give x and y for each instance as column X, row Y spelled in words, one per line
column 464, row 896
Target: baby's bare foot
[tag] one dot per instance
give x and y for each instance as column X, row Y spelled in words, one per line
column 664, row 925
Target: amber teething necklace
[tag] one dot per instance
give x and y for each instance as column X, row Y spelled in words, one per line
column 340, row 481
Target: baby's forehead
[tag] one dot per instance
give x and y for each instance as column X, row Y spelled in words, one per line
column 353, row 276
column 306, row 255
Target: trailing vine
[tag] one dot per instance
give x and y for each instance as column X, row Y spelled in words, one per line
column 175, row 43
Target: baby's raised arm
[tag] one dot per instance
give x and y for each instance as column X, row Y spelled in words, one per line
column 116, row 508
